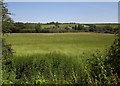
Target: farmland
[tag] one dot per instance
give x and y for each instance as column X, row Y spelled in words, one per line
column 36, row 51
column 67, row 43
column 58, row 58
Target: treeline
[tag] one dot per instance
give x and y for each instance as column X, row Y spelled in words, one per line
column 55, row 27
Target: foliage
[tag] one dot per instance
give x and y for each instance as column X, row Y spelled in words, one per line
column 113, row 56
column 38, row 28
column 7, row 54
column 7, row 22
column 58, row 68
column 7, row 51
column 106, row 70
column 55, row 27
column 52, row 68
column 80, row 27
column 100, row 73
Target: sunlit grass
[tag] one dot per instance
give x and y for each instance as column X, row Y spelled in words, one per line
column 67, row 43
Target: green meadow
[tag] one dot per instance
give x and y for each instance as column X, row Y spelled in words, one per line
column 66, row 43
column 59, row 58
column 53, row 53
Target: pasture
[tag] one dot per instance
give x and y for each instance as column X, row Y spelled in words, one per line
column 57, row 58
column 66, row 43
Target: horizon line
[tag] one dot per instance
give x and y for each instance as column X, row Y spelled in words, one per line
column 70, row 22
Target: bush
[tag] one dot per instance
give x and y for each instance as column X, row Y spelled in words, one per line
column 113, row 56
column 99, row 73
column 7, row 54
column 7, row 67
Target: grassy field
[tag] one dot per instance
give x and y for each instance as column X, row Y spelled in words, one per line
column 67, row 43
column 56, row 58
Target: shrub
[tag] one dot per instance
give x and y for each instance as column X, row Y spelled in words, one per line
column 7, row 67
column 7, row 54
column 113, row 56
column 99, row 73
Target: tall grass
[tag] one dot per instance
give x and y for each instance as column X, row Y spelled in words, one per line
column 52, row 68
column 58, row 68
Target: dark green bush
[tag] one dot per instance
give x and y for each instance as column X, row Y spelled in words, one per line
column 113, row 56
column 7, row 54
column 7, row 66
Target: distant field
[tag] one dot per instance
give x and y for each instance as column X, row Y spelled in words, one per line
column 72, row 25
column 68, row 43
column 111, row 25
